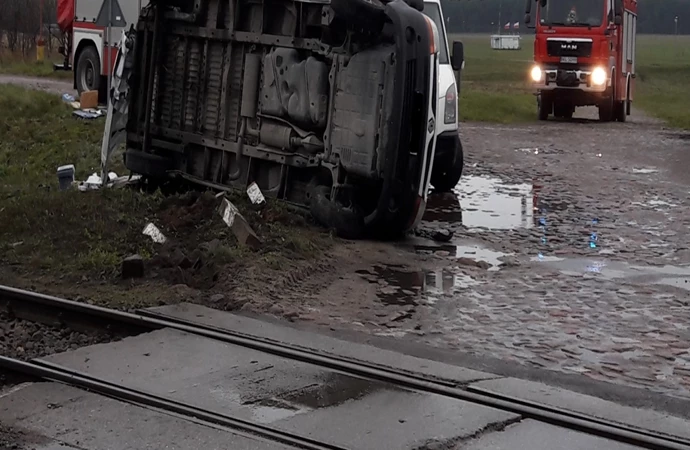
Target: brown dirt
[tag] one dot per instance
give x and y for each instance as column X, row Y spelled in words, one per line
column 79, row 255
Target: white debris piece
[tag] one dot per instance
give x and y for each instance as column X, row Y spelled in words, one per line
column 255, row 194
column 92, row 183
column 228, row 212
column 156, row 234
column 237, row 223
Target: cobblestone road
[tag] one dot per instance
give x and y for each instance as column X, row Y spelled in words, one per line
column 570, row 253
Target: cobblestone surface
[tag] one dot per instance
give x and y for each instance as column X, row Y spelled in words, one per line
column 569, row 253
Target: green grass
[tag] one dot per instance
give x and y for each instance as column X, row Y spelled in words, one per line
column 495, row 87
column 663, row 72
column 53, row 239
column 17, row 65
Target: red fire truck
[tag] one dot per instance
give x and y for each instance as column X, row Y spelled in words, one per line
column 584, row 55
column 93, row 29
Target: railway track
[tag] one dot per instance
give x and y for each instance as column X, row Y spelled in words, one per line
column 56, row 311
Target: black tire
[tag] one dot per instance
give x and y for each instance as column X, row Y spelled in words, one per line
column 446, row 174
column 621, row 111
column 544, row 107
column 367, row 13
column 88, row 71
column 607, row 108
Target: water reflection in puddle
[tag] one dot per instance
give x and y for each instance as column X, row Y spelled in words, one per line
column 472, row 252
column 335, row 390
column 675, row 276
column 484, row 202
column 398, row 286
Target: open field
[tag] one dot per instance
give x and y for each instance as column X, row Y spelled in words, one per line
column 495, row 85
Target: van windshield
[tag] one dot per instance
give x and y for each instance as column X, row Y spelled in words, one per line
column 434, row 12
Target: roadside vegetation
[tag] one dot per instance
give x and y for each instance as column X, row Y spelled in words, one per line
column 52, row 240
column 495, row 87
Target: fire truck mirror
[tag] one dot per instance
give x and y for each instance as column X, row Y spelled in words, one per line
column 528, row 19
column 618, row 19
column 458, row 57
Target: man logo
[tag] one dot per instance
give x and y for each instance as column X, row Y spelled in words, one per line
column 568, row 46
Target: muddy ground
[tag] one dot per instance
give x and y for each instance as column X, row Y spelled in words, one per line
column 569, row 254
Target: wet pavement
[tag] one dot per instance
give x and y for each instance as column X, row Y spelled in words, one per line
column 567, row 255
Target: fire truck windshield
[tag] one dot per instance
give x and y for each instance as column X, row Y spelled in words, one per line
column 572, row 13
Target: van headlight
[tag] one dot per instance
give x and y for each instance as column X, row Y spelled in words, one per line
column 536, row 73
column 599, row 76
column 450, row 112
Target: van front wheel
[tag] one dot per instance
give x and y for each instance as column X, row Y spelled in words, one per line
column 448, row 162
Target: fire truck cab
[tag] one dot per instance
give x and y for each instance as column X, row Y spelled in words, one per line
column 91, row 45
column 584, row 55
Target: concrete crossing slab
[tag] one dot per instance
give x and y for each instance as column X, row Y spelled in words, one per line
column 305, row 399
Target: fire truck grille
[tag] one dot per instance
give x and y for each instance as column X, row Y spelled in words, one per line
column 569, row 48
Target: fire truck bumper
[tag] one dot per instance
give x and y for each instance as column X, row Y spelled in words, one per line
column 593, row 80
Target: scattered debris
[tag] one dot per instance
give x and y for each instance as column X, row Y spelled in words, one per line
column 132, row 267
column 238, row 224
column 645, row 171
column 89, row 114
column 65, row 176
column 95, row 181
column 255, row 194
column 442, row 235
column 156, row 234
column 88, row 99
column 68, row 98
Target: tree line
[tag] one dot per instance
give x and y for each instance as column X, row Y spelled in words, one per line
column 482, row 16
column 20, row 24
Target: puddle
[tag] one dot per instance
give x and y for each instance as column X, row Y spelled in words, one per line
column 403, row 287
column 645, row 171
column 335, row 390
column 675, row 276
column 474, row 252
column 484, row 202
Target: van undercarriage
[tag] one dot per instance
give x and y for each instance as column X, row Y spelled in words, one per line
column 327, row 105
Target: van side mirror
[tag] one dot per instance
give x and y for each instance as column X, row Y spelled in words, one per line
column 458, row 59
column 543, row 3
column 617, row 20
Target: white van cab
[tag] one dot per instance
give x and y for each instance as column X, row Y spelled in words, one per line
column 448, row 162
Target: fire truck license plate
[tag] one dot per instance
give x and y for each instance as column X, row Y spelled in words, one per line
column 569, row 59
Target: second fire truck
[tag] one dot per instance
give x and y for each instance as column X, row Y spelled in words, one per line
column 584, row 55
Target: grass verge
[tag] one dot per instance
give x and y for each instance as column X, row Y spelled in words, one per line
column 11, row 64
column 72, row 243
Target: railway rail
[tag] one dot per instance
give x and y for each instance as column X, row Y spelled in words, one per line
column 56, row 311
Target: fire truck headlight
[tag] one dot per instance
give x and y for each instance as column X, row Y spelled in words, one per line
column 536, row 73
column 599, row 76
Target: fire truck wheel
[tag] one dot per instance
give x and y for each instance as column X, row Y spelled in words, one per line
column 88, row 74
column 607, row 110
column 544, row 107
column 621, row 111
